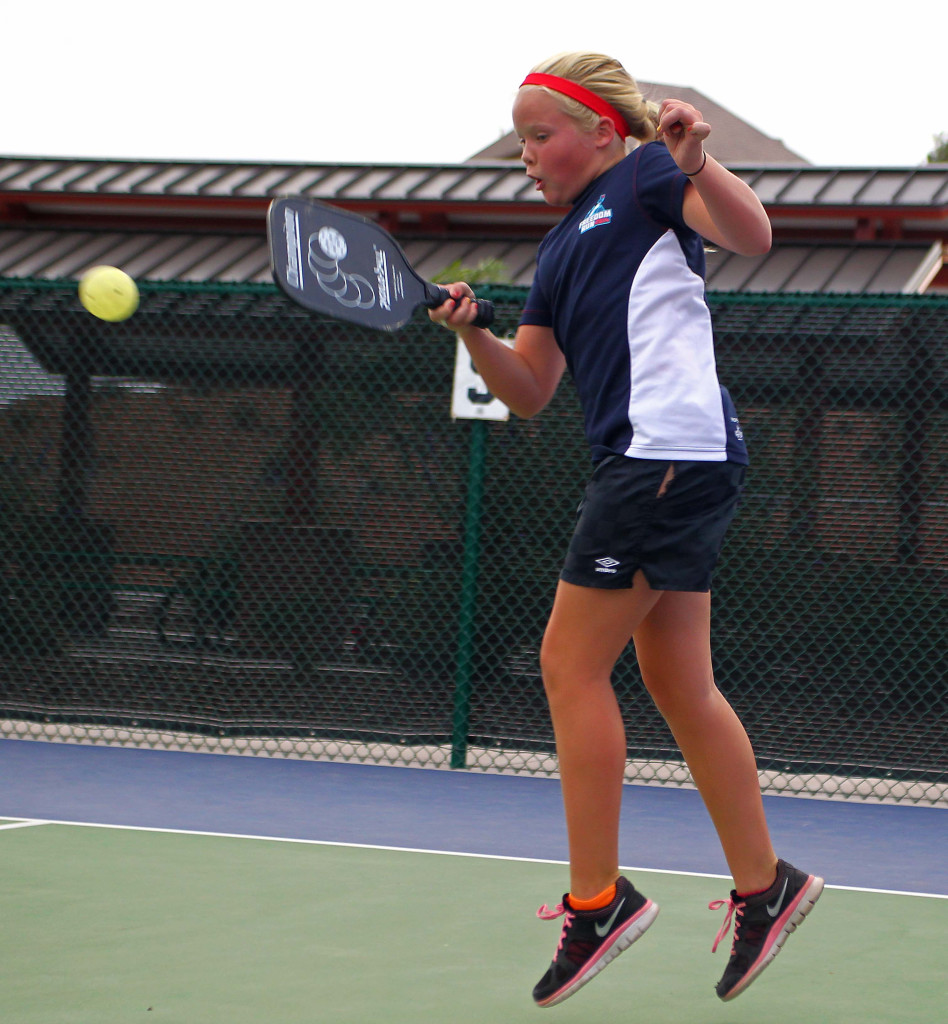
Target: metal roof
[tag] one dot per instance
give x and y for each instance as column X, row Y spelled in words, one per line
column 482, row 182
column 38, row 178
column 147, row 256
column 860, row 268
column 835, row 229
column 243, row 258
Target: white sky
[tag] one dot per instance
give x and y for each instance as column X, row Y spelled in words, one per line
column 840, row 83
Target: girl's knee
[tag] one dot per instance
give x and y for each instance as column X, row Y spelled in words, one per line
column 698, row 702
column 563, row 660
column 553, row 669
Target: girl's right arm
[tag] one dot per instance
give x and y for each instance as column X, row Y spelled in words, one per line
column 524, row 377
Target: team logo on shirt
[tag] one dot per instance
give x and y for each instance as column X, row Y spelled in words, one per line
column 596, row 217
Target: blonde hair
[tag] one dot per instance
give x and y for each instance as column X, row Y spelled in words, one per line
column 609, row 80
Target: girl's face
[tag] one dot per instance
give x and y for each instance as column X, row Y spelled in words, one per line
column 560, row 155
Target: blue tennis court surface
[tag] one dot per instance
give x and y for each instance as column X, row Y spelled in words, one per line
column 888, row 847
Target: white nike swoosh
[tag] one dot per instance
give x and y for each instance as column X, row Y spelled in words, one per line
column 602, row 930
column 774, row 908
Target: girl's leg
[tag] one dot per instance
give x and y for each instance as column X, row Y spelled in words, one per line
column 673, row 647
column 586, row 634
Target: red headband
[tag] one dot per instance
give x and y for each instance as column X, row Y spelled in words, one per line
column 583, row 95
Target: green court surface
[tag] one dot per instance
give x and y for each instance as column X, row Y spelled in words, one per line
column 110, row 925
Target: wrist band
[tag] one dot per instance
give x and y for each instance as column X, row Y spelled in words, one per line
column 700, row 169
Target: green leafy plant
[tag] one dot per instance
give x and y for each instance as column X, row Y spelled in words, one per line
column 488, row 271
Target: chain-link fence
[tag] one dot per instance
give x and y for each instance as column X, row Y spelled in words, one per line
column 231, row 525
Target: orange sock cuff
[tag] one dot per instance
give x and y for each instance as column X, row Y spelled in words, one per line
column 597, row 902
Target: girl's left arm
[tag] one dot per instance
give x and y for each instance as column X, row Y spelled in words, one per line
column 720, row 207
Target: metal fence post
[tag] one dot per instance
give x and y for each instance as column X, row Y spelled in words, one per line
column 468, row 608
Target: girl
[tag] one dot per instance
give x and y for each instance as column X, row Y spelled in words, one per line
column 619, row 299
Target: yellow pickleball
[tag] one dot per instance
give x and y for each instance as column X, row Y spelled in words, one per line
column 108, row 293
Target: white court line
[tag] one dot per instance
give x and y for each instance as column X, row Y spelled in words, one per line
column 438, row 853
column 25, row 824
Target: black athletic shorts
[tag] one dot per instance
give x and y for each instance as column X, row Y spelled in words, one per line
column 666, row 518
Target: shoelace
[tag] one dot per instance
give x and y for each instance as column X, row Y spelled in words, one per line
column 732, row 906
column 546, row 914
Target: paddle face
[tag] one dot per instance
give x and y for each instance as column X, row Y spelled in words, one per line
column 344, row 266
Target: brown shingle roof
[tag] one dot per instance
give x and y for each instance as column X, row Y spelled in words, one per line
column 732, row 140
column 236, row 258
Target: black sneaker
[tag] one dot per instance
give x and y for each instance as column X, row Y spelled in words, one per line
column 763, row 923
column 591, row 939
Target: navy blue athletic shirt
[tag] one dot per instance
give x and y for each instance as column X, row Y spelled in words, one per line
column 620, row 280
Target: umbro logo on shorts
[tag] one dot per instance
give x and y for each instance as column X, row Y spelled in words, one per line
column 606, row 564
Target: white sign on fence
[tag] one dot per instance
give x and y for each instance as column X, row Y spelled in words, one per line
column 470, row 399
